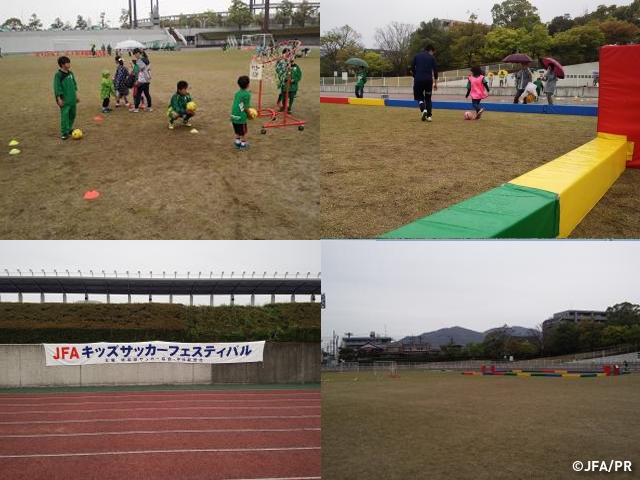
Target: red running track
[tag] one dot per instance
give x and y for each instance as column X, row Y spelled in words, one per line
column 259, row 434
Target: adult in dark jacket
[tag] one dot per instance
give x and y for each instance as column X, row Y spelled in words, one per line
column 424, row 69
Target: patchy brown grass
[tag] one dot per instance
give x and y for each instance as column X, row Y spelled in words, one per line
column 156, row 183
column 383, row 168
column 444, row 425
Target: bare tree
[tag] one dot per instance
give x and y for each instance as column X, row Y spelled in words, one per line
column 395, row 42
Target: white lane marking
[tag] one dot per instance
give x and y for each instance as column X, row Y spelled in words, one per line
column 228, row 394
column 109, row 402
column 276, row 478
column 156, row 409
column 161, row 432
column 153, row 452
column 152, row 419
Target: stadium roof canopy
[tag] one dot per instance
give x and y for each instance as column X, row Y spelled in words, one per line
column 159, row 286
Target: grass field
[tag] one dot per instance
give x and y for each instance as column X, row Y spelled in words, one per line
column 443, row 425
column 384, row 168
column 155, row 183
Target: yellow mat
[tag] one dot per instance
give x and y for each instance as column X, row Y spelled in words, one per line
column 378, row 102
column 581, row 177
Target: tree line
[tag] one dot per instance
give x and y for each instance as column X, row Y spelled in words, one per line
column 239, row 14
column 566, row 338
column 516, row 27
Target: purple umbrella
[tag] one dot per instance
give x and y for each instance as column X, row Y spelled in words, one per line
column 517, row 58
column 546, row 61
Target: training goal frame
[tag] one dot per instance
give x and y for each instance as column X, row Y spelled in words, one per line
column 257, row 40
column 379, row 368
column 272, row 65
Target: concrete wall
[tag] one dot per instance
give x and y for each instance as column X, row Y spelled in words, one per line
column 24, row 366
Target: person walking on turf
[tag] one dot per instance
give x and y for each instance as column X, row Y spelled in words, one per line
column 550, row 87
column 523, row 78
column 478, row 88
column 424, row 70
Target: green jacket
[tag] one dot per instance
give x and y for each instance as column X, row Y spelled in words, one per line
column 179, row 103
column 296, row 76
column 362, row 79
column 65, row 87
column 241, row 101
column 107, row 89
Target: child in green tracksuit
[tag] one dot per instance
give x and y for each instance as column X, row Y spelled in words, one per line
column 241, row 102
column 178, row 106
column 296, row 76
column 362, row 79
column 65, row 90
column 107, row 89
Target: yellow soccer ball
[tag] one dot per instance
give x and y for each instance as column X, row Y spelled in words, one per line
column 191, row 107
column 77, row 134
column 252, row 113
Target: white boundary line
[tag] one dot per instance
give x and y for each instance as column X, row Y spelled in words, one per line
column 228, row 394
column 155, row 409
column 105, row 402
column 153, row 452
column 162, row 432
column 161, row 419
column 277, row 478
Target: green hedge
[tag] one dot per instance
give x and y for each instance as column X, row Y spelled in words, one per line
column 56, row 323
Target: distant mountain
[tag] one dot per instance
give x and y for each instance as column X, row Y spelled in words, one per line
column 460, row 336
column 457, row 335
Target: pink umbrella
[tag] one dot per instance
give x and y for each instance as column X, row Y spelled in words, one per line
column 546, row 61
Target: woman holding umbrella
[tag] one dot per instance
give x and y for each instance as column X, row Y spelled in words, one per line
column 554, row 71
column 523, row 76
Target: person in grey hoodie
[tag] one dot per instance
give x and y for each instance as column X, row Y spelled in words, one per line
column 523, row 77
column 550, row 88
column 144, row 80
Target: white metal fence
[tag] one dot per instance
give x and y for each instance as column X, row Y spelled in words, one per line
column 475, row 365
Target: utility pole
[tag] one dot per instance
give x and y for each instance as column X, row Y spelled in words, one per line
column 265, row 22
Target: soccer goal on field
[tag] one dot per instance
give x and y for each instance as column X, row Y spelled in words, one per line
column 381, row 368
column 257, row 40
column 349, row 367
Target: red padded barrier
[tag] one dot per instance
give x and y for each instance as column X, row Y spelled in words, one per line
column 343, row 100
column 619, row 97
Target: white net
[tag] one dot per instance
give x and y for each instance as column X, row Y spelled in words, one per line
column 257, row 40
column 275, row 62
column 349, row 367
column 385, row 368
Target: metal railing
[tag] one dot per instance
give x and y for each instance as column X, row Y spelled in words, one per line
column 150, row 274
column 475, row 365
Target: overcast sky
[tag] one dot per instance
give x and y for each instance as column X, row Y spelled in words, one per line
column 158, row 256
column 365, row 16
column 409, row 288
column 68, row 10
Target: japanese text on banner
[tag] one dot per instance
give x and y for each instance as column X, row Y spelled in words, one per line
column 145, row 352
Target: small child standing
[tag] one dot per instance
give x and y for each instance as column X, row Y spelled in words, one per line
column 120, row 82
column 106, row 91
column 241, row 102
column 295, row 75
column 65, row 90
column 178, row 106
column 478, row 88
